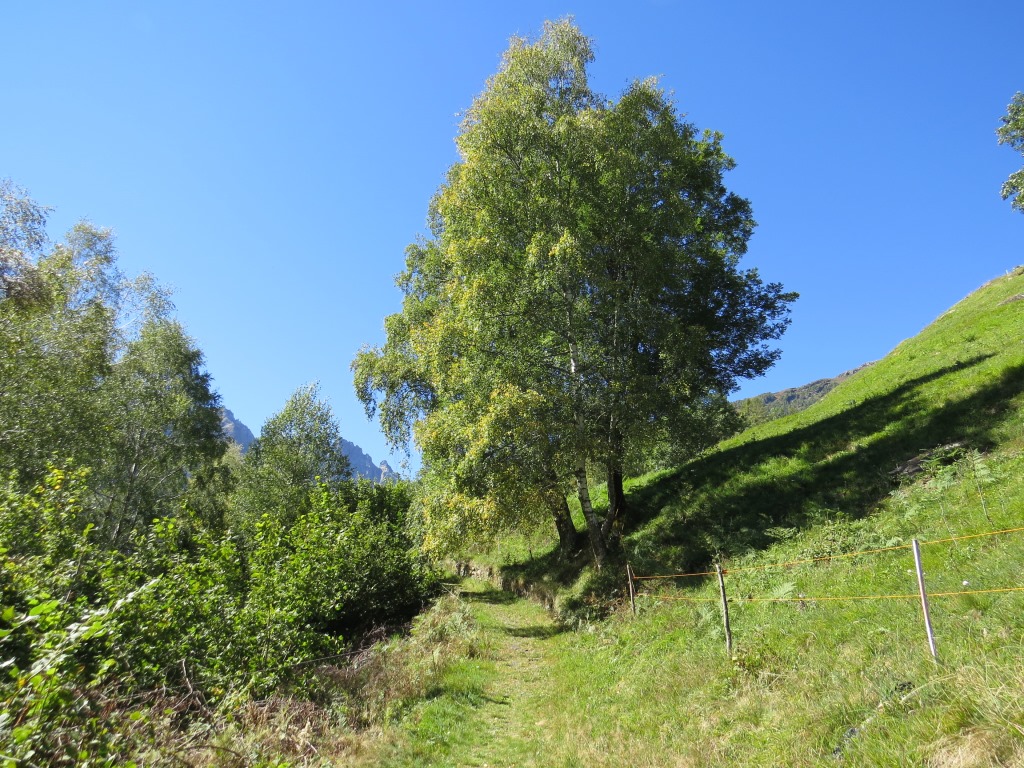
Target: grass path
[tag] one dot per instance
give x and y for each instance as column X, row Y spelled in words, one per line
column 487, row 714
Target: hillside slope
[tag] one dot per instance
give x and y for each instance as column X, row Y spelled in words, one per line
column 774, row 405
column 812, row 516
column 954, row 388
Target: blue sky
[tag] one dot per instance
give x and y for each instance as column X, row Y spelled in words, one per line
column 270, row 161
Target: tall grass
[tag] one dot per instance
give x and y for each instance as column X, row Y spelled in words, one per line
column 927, row 443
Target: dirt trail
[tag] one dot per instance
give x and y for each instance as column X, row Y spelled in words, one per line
column 520, row 634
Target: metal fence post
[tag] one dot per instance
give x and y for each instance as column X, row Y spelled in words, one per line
column 632, row 592
column 924, row 599
column 725, row 608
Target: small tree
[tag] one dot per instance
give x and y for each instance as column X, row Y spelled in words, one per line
column 93, row 369
column 298, row 449
column 1012, row 132
column 163, row 428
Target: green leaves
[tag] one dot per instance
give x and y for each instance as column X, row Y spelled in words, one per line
column 583, row 266
column 120, row 582
column 44, row 608
column 1011, row 132
column 339, row 569
column 94, row 369
column 298, row 448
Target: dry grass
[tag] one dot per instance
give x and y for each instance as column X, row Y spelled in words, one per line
column 347, row 720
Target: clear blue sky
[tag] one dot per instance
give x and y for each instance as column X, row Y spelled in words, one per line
column 270, row 161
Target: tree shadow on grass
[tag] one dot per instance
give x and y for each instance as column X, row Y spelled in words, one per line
column 538, row 631
column 549, row 567
column 840, row 466
column 469, row 698
column 490, row 596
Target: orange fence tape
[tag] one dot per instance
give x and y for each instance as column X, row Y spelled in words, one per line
column 973, row 536
column 673, row 576
column 825, row 557
column 808, row 599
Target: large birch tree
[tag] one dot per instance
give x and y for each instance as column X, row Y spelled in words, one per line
column 579, row 295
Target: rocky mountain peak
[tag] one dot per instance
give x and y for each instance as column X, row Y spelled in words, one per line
column 361, row 462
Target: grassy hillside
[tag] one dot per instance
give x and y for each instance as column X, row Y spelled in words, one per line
column 950, row 396
column 774, row 405
column 955, row 389
column 926, row 443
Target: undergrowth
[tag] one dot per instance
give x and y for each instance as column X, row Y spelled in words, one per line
column 346, row 718
column 927, row 443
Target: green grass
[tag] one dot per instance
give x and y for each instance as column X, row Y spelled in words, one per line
column 484, row 710
column 927, row 443
column 809, row 682
column 960, row 381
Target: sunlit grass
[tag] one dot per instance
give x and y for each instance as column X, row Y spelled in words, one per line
column 927, row 443
column 924, row 444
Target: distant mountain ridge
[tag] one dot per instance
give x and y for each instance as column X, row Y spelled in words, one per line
column 236, row 430
column 774, row 405
column 363, row 466
column 361, row 462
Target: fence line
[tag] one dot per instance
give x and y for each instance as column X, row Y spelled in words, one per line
column 973, row 536
column 784, row 564
column 741, row 600
column 823, row 558
column 813, row 599
column 815, row 559
column 674, row 576
column 922, row 594
column 976, row 592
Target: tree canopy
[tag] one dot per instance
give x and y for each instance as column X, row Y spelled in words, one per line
column 299, row 448
column 1012, row 132
column 579, row 294
column 121, row 580
column 95, row 370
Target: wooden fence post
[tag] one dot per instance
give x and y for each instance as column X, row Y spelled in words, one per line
column 632, row 593
column 924, row 599
column 725, row 608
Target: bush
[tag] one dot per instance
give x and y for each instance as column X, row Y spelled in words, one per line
column 342, row 569
column 88, row 635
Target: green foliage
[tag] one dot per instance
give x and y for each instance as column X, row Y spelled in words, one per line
column 809, row 683
column 128, row 607
column 54, row 652
column 344, row 567
column 184, row 630
column 22, row 238
column 93, row 368
column 298, row 448
column 1011, row 132
column 162, row 425
column 926, row 443
column 55, row 351
column 85, row 629
column 580, row 295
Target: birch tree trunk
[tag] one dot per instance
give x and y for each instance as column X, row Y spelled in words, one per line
column 593, row 523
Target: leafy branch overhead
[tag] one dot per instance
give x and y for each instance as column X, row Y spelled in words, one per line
column 579, row 298
column 1012, row 132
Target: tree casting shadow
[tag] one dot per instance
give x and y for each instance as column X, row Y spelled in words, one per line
column 838, row 467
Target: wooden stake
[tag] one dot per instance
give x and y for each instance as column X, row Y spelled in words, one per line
column 924, row 599
column 632, row 593
column 725, row 609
